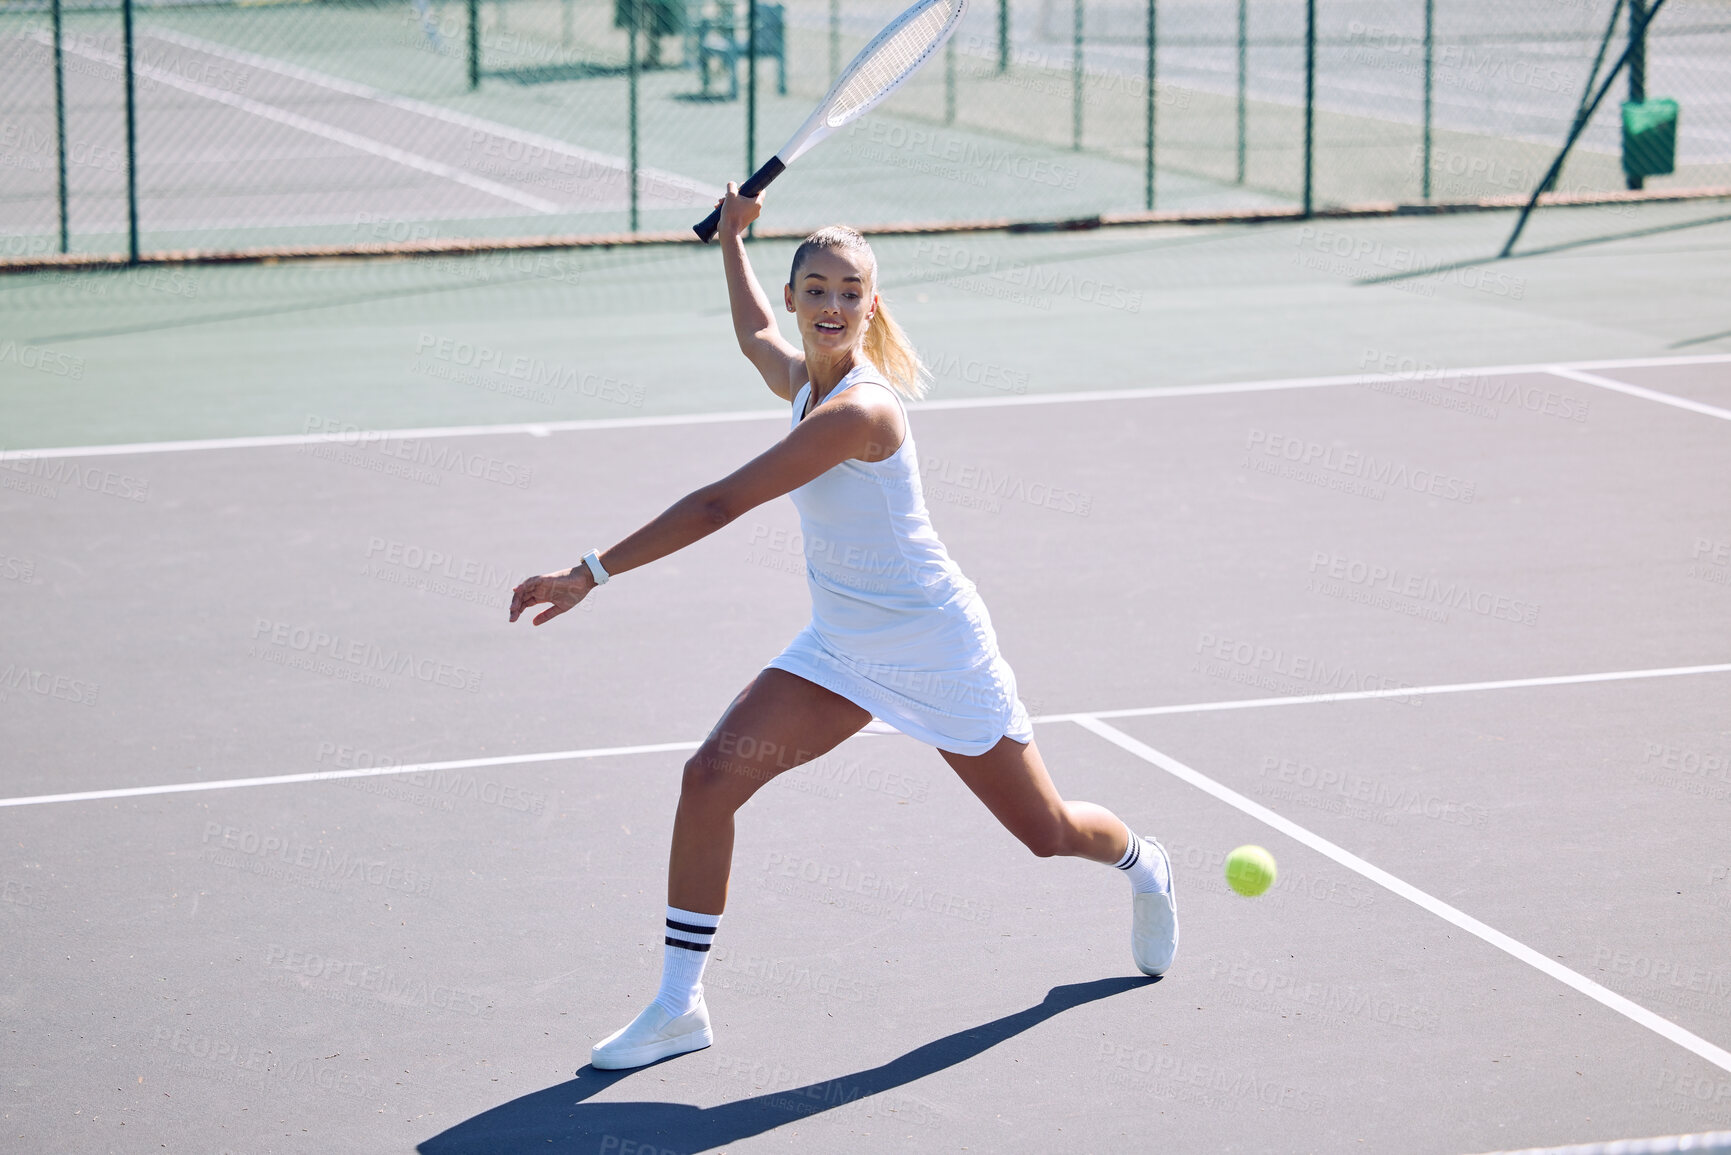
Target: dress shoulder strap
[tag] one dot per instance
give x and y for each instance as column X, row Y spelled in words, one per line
column 865, row 371
column 869, row 374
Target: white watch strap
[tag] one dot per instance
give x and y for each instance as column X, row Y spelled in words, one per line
column 592, row 559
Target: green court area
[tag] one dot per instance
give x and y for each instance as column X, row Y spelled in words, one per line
column 198, row 351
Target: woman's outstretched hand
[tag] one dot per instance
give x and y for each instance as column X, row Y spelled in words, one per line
column 562, row 590
column 737, row 212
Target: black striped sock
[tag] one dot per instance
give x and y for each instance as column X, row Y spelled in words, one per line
column 684, row 930
column 1145, row 866
column 683, row 955
column 1132, row 854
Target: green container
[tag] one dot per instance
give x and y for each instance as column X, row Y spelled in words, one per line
column 1649, row 137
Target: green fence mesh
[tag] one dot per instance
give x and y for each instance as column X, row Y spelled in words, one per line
column 352, row 124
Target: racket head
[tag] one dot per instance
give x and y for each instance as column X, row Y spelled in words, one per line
column 881, row 67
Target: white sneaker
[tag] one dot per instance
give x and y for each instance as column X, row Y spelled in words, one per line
column 654, row 1034
column 1154, row 926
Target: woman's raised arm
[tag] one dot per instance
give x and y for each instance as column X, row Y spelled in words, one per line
column 753, row 320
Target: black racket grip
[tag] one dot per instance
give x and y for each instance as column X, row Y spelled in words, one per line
column 754, row 184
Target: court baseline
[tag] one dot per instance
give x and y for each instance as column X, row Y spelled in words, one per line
column 545, row 428
column 662, row 747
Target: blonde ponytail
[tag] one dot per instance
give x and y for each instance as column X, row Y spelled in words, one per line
column 884, row 342
column 887, row 347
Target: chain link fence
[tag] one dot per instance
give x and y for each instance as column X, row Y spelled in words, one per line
column 163, row 126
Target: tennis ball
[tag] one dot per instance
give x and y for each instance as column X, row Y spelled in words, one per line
column 1250, row 870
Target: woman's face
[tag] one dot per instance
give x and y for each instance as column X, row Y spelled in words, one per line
column 832, row 300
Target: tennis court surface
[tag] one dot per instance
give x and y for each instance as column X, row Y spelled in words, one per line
column 1423, row 584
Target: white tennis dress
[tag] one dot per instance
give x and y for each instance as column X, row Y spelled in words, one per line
column 895, row 626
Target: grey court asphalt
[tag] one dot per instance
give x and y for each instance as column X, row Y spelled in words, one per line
column 1452, row 648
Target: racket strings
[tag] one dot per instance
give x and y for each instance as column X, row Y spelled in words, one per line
column 892, row 61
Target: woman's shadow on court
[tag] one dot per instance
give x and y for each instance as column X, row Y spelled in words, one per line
column 559, row 1119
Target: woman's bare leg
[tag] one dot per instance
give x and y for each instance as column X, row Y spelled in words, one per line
column 778, row 722
column 1012, row 781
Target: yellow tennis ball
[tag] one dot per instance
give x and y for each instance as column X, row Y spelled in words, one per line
column 1250, row 870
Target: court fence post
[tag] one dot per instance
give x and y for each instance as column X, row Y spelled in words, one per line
column 1148, row 168
column 60, row 127
column 1429, row 45
column 631, row 104
column 1309, row 100
column 1003, row 35
column 751, row 86
column 1243, row 25
column 1637, row 71
column 131, row 137
column 474, row 44
column 1076, row 76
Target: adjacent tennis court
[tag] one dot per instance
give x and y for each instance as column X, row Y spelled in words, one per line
column 354, row 124
column 1324, row 536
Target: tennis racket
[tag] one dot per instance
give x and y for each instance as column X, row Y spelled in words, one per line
column 882, row 66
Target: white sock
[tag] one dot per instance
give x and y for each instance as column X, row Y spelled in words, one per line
column 1145, row 866
column 682, row 957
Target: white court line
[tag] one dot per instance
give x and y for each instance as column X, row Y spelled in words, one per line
column 329, row 775
column 373, row 436
column 1575, row 374
column 874, row 727
column 342, row 136
column 1397, row 692
column 1700, row 1143
column 1629, row 1009
column 611, row 163
column 542, row 428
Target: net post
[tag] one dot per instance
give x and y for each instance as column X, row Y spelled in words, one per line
column 1429, row 56
column 60, row 128
column 474, row 44
column 1076, row 77
column 751, row 86
column 1243, row 26
column 1637, row 69
column 631, row 102
column 131, row 136
column 1003, row 35
column 1582, row 116
column 1148, row 169
column 1309, row 100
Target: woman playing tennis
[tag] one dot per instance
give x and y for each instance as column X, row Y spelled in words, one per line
column 896, row 630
